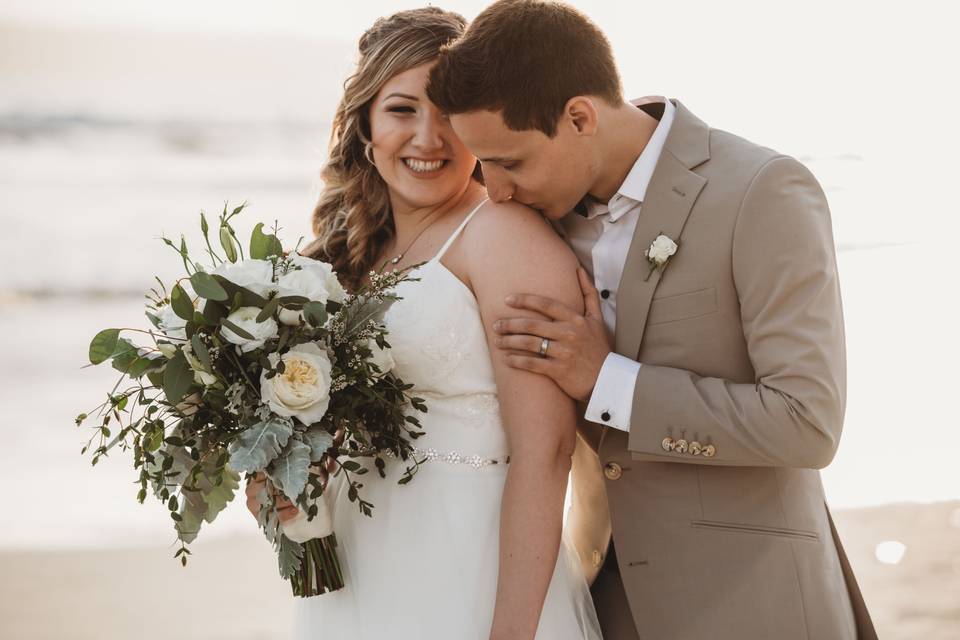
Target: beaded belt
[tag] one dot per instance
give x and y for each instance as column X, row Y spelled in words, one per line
column 453, row 457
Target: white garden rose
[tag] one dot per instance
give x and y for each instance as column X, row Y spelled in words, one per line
column 661, row 250
column 167, row 349
column 314, row 279
column 246, row 319
column 255, row 275
column 171, row 324
column 200, row 374
column 290, row 317
column 383, row 358
column 303, row 389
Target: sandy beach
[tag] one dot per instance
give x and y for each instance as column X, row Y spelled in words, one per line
column 230, row 588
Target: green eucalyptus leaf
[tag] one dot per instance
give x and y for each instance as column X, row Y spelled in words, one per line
column 103, row 345
column 315, row 313
column 268, row 310
column 213, row 312
column 200, row 350
column 259, row 245
column 262, row 246
column 154, row 320
column 177, row 378
column 126, row 359
column 181, row 303
column 243, row 333
column 208, row 287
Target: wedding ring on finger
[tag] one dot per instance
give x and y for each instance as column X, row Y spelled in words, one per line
column 544, row 345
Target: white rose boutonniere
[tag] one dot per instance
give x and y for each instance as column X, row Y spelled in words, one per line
column 303, row 389
column 659, row 253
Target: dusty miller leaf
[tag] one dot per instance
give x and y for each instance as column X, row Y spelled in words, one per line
column 289, row 557
column 291, row 469
column 259, row 445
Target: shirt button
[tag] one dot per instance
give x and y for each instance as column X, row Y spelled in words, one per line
column 605, row 294
column 605, row 416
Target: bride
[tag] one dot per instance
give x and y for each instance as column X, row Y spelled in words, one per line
column 473, row 546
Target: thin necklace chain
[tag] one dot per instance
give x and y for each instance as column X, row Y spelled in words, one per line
column 400, row 255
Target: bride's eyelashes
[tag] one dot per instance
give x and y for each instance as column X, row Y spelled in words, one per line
column 401, row 109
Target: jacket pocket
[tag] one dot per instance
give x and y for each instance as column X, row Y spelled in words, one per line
column 712, row 525
column 683, row 306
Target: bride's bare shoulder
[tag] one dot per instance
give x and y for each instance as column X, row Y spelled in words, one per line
column 513, row 249
column 503, row 227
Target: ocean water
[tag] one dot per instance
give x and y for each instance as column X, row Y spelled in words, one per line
column 89, row 184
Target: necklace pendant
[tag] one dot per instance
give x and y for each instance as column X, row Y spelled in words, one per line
column 397, row 259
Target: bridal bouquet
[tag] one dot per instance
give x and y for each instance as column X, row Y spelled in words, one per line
column 258, row 364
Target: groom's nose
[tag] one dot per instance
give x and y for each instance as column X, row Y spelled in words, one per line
column 498, row 189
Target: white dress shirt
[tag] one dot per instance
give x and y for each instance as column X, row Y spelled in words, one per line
column 601, row 241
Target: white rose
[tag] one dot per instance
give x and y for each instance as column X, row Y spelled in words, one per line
column 171, row 324
column 200, row 374
column 290, row 317
column 167, row 349
column 661, row 249
column 315, row 280
column 383, row 358
column 246, row 319
column 300, row 530
column 252, row 274
column 303, row 389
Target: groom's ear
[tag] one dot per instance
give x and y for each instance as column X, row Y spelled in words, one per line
column 582, row 114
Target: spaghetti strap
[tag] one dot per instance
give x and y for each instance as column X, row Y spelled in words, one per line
column 456, row 233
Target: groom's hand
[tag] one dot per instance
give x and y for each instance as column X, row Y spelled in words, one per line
column 578, row 343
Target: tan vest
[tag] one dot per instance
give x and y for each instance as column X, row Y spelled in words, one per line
column 713, row 499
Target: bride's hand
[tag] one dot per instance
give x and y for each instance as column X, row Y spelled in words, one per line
column 286, row 510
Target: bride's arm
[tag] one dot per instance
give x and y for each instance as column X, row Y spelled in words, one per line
column 513, row 250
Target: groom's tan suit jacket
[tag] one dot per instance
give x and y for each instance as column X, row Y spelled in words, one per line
column 741, row 342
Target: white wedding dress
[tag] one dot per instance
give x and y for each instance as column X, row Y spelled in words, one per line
column 425, row 566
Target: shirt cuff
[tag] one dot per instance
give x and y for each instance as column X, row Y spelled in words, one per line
column 612, row 400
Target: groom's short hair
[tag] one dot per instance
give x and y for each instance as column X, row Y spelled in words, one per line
column 526, row 59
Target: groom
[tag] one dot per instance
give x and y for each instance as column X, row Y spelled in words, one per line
column 697, row 509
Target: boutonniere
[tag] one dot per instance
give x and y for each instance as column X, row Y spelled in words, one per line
column 659, row 254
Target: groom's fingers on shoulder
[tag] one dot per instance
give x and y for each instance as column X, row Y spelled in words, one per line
column 547, row 306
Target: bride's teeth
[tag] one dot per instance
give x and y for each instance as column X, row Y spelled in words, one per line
column 421, row 166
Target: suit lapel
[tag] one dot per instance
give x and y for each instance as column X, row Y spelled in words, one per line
column 670, row 196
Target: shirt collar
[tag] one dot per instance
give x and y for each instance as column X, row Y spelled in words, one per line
column 634, row 187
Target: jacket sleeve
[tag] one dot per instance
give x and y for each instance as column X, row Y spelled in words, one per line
column 785, row 273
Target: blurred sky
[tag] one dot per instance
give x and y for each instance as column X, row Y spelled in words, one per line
column 864, row 66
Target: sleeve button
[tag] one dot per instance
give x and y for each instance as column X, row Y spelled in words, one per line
column 605, row 416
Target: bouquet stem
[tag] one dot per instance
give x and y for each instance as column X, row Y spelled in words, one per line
column 320, row 570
